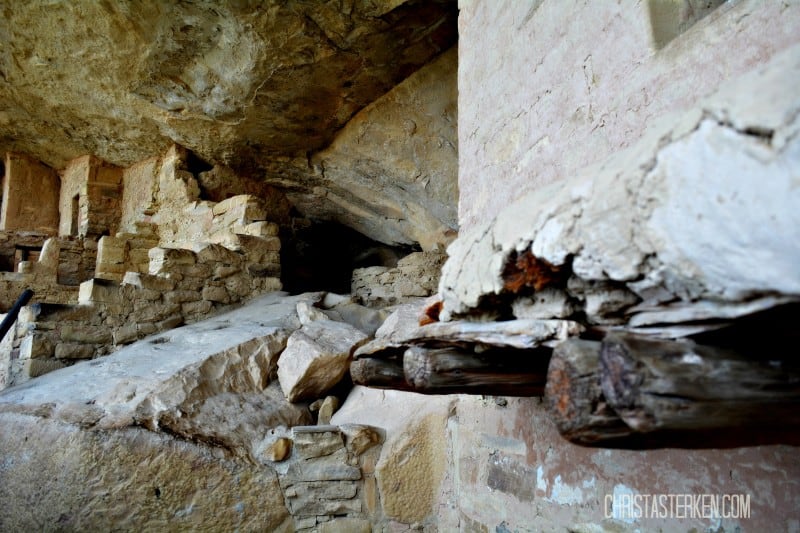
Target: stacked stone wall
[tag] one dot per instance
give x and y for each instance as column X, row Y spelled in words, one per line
column 181, row 287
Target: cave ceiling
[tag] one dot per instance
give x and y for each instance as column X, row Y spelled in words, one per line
column 253, row 85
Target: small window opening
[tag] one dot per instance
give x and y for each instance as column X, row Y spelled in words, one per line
column 25, row 253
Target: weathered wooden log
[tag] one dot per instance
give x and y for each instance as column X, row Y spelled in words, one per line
column 574, row 398
column 380, row 373
column 657, row 385
column 493, row 372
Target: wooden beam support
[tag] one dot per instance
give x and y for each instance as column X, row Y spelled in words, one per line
column 493, row 372
column 657, row 385
column 574, row 398
column 380, row 373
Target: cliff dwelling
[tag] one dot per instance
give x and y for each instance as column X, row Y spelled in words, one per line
column 400, row 265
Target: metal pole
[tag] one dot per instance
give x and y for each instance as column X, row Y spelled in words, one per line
column 11, row 317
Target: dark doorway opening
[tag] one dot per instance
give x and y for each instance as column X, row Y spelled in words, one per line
column 321, row 256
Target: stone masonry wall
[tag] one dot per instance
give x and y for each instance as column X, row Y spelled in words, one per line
column 182, row 287
column 218, row 253
column 30, row 196
column 415, row 276
column 97, row 187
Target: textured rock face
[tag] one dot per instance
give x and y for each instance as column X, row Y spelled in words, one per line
column 133, row 479
column 233, row 82
column 257, row 87
column 162, row 434
column 391, row 172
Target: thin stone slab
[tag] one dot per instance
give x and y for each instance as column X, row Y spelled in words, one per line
column 521, row 334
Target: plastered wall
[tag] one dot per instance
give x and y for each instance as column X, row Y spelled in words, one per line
column 548, row 88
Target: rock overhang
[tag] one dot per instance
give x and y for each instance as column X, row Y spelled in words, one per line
column 259, row 88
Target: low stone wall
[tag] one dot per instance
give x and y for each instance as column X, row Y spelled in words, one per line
column 416, row 275
column 329, row 478
column 182, row 287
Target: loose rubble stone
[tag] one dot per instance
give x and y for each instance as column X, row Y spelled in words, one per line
column 316, row 358
column 73, row 350
column 359, row 438
column 326, row 410
column 308, row 313
column 279, row 450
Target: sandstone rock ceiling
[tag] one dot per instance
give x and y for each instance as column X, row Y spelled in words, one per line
column 247, row 84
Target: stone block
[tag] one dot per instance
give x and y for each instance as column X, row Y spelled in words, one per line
column 216, row 294
column 85, row 334
column 201, row 307
column 331, row 467
column 264, row 271
column 153, row 312
column 316, row 441
column 74, row 351
column 34, row 368
column 111, row 250
column 125, row 334
column 238, row 285
column 322, row 498
column 224, row 271
column 258, row 229
column 316, row 358
column 190, row 283
column 139, row 256
column 199, row 270
column 270, row 284
column 148, row 281
column 169, row 323
column 217, row 254
column 164, row 260
column 99, row 291
column 260, row 250
column 149, row 295
column 145, row 329
column 181, row 296
column 36, row 345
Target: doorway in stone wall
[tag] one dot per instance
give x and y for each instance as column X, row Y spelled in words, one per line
column 75, row 215
column 321, row 256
